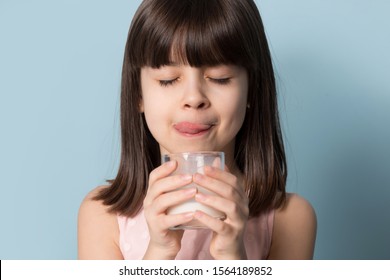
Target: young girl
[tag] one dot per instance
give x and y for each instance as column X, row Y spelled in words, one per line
column 197, row 76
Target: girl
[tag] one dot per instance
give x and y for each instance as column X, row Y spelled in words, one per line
column 197, row 75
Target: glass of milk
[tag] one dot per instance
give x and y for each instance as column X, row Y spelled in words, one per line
column 191, row 163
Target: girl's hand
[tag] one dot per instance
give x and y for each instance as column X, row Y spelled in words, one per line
column 162, row 194
column 230, row 198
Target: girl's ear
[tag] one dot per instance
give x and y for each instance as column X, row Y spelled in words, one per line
column 141, row 106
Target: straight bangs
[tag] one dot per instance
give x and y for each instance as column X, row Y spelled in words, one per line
column 190, row 32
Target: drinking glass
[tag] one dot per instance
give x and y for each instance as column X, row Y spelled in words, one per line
column 191, row 163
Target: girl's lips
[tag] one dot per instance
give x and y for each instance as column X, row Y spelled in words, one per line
column 191, row 128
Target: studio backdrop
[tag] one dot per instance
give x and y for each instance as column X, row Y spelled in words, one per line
column 60, row 71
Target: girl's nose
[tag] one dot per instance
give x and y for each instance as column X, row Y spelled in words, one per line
column 195, row 96
column 196, row 103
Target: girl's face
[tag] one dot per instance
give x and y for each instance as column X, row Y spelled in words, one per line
column 194, row 109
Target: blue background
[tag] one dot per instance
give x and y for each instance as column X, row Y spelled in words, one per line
column 60, row 68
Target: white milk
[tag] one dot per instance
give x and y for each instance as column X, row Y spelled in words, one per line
column 191, row 163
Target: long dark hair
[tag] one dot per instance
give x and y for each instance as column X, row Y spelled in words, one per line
column 199, row 33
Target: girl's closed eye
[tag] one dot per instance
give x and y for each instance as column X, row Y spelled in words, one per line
column 169, row 82
column 220, row 81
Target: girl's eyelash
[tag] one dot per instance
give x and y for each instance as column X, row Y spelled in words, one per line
column 222, row 81
column 165, row 83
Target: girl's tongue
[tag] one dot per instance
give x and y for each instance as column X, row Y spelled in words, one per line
column 191, row 128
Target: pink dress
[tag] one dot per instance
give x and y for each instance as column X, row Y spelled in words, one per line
column 134, row 238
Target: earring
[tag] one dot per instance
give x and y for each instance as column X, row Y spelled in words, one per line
column 248, row 106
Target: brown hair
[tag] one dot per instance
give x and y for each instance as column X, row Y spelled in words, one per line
column 202, row 32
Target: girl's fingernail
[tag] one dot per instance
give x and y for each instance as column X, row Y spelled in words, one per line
column 191, row 191
column 198, row 177
column 208, row 168
column 200, row 197
column 186, row 177
column 189, row 215
column 198, row 214
column 170, row 163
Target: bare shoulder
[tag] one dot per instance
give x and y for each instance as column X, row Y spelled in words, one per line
column 98, row 231
column 295, row 228
column 295, row 209
column 91, row 206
